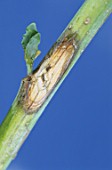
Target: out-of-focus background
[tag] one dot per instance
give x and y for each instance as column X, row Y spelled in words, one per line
column 75, row 130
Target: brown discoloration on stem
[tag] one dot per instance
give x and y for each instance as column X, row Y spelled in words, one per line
column 39, row 85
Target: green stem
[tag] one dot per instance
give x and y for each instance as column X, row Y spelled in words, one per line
column 18, row 123
column 29, row 68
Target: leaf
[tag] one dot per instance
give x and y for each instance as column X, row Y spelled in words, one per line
column 30, row 42
column 32, row 47
column 31, row 30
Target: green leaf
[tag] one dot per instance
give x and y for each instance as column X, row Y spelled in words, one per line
column 30, row 42
column 31, row 30
column 32, row 47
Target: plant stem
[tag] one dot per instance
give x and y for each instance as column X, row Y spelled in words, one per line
column 25, row 112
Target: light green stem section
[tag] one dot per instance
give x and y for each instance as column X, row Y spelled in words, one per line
column 18, row 124
column 29, row 68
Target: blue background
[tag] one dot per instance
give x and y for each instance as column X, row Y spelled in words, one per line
column 75, row 131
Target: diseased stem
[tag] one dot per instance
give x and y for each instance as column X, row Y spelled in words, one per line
column 37, row 89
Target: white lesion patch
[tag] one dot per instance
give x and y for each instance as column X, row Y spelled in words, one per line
column 48, row 75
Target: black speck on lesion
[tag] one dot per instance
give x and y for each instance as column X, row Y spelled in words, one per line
column 43, row 77
column 48, row 68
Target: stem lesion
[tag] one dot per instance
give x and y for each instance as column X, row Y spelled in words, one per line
column 49, row 72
